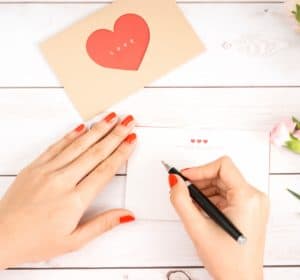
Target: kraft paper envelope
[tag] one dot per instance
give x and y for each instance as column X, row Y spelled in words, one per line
column 118, row 50
column 147, row 188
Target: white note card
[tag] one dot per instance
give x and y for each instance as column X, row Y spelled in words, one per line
column 147, row 189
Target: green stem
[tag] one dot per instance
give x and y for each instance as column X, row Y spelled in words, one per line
column 297, row 13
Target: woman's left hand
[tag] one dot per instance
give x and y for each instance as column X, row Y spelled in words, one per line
column 41, row 212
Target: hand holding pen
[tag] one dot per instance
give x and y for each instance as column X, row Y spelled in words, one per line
column 243, row 205
column 202, row 201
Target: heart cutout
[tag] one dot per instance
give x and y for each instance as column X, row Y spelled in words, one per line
column 124, row 48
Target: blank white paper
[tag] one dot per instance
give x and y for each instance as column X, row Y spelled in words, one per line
column 147, row 189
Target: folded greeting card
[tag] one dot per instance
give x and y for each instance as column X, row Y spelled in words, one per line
column 118, row 50
column 147, row 189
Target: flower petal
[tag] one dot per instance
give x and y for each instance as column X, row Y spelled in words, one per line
column 290, row 124
column 297, row 134
column 280, row 135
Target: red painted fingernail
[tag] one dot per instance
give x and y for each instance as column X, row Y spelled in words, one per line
column 126, row 219
column 172, row 180
column 79, row 128
column 127, row 120
column 130, row 138
column 110, row 117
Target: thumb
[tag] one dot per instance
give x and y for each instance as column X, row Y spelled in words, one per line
column 99, row 225
column 196, row 224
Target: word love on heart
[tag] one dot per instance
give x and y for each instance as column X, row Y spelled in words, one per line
column 123, row 48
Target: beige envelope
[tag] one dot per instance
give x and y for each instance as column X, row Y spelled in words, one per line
column 118, row 50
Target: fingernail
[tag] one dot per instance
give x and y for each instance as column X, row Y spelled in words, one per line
column 79, row 128
column 127, row 120
column 130, row 138
column 110, row 117
column 126, row 219
column 172, row 180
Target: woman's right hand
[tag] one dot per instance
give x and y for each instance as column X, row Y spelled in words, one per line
column 244, row 205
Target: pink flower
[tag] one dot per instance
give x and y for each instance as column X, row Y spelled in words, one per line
column 287, row 134
column 297, row 134
column 280, row 134
column 290, row 124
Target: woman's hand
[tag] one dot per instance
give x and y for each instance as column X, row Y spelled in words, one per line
column 41, row 212
column 244, row 205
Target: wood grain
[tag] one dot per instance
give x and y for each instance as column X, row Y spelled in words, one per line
column 249, row 79
column 237, row 54
column 31, row 119
column 284, row 161
column 292, row 273
column 151, row 244
column 284, row 223
column 110, row 1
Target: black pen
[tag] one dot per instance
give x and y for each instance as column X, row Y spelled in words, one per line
column 210, row 209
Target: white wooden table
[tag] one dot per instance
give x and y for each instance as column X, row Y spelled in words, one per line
column 249, row 78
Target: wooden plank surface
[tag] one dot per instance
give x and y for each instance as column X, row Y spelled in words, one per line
column 110, row 1
column 40, row 116
column 239, row 50
column 148, row 243
column 284, row 225
column 292, row 273
column 250, row 69
column 283, row 161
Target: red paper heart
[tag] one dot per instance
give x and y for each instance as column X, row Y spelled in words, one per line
column 124, row 48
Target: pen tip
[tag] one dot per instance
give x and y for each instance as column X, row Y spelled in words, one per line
column 166, row 165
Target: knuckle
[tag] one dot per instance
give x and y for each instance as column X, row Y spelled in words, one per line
column 52, row 148
column 45, row 177
column 98, row 126
column 68, row 137
column 99, row 151
column 121, row 153
column 226, row 160
column 98, row 130
column 118, row 133
column 108, row 224
column 65, row 140
column 79, row 145
column 109, row 167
